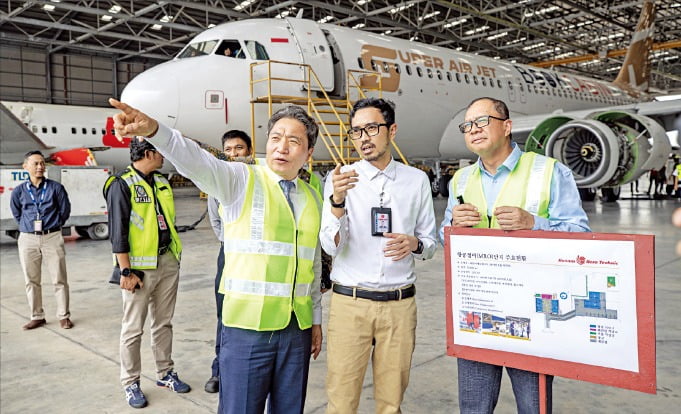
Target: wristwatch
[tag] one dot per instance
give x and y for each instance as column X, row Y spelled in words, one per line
column 419, row 247
column 333, row 203
column 125, row 272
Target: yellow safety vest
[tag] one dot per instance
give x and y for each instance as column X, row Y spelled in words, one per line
column 528, row 186
column 269, row 257
column 143, row 229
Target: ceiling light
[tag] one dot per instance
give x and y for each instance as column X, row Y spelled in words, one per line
column 454, row 23
column 48, row 7
column 542, row 11
column 358, row 26
column 429, row 15
column 115, row 9
column 387, row 32
column 497, row 36
column 157, row 27
column 325, row 19
column 106, row 18
column 166, row 18
column 476, row 30
column 210, row 26
column 283, row 14
column 402, row 7
column 243, row 5
column 363, row 2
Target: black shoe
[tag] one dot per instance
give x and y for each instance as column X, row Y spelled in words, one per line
column 213, row 385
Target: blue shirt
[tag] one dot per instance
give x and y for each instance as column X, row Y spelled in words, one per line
column 53, row 205
column 565, row 205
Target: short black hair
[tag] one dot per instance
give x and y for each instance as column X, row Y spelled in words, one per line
column 237, row 133
column 299, row 114
column 139, row 148
column 386, row 107
column 499, row 106
column 35, row 152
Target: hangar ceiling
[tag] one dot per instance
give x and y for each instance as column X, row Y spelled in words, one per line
column 525, row 31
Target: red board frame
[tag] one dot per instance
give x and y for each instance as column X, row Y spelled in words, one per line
column 644, row 380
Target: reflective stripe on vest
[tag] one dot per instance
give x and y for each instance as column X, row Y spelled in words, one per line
column 274, row 248
column 260, row 288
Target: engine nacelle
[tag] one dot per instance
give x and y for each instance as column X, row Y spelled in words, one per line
column 606, row 149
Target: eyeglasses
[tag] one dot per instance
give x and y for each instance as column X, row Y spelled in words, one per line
column 480, row 122
column 370, row 129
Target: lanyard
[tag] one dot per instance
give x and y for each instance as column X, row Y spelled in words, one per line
column 42, row 197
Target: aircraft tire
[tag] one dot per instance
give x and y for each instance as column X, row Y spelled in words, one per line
column 610, row 195
column 444, row 185
column 587, row 194
column 434, row 184
column 98, row 231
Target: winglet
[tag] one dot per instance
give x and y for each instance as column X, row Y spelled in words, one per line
column 635, row 72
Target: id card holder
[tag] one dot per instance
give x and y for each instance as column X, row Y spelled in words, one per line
column 37, row 225
column 161, row 222
column 381, row 221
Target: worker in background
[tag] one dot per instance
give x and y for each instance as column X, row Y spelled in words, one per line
column 147, row 251
column 41, row 207
column 236, row 144
column 501, row 191
column 272, row 307
column 377, row 220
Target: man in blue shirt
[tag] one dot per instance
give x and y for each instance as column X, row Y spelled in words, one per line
column 41, row 207
column 487, row 185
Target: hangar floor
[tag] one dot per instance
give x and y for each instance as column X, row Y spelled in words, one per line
column 76, row 371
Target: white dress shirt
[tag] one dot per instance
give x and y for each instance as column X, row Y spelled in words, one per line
column 359, row 259
column 226, row 182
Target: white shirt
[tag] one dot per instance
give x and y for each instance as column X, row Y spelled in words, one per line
column 226, row 182
column 359, row 259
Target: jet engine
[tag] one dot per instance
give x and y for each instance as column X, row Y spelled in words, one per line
column 605, row 149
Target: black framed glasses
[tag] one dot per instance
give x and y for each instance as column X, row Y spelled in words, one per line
column 370, row 129
column 479, row 122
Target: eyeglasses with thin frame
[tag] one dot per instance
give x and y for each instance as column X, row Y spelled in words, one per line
column 479, row 122
column 370, row 129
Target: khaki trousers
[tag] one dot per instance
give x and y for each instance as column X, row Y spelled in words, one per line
column 353, row 325
column 158, row 298
column 34, row 250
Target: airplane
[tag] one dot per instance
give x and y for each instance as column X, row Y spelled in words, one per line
column 67, row 134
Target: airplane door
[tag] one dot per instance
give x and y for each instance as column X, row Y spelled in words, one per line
column 315, row 50
column 511, row 90
column 521, row 91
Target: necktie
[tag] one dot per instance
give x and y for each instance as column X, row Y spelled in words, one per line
column 286, row 187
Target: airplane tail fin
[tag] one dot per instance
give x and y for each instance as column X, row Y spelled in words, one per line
column 635, row 72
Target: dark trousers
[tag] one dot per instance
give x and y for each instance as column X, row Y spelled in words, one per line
column 255, row 365
column 215, row 368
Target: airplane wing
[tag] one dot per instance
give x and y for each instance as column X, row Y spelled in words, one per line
column 15, row 138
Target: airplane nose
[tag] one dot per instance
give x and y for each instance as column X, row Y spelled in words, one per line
column 154, row 92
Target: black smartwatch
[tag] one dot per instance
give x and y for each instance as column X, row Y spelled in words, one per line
column 125, row 272
column 419, row 247
column 333, row 203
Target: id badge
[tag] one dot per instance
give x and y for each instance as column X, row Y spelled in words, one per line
column 381, row 221
column 37, row 225
column 162, row 222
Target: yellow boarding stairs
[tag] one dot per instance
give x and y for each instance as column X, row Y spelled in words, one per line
column 332, row 115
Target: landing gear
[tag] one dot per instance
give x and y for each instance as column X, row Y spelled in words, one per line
column 434, row 184
column 444, row 185
column 96, row 231
column 610, row 194
column 587, row 194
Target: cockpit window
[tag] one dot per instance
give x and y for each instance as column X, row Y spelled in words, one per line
column 230, row 48
column 256, row 50
column 198, row 49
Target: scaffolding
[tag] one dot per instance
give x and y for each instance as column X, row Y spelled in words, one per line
column 331, row 114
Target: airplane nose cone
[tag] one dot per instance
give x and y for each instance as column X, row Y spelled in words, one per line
column 154, row 92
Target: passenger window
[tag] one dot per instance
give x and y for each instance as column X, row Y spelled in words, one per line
column 429, row 72
column 510, row 85
column 439, row 74
column 54, row 130
column 458, row 77
column 408, row 69
column 197, row 49
column 374, row 66
column 256, row 50
column 230, row 48
column 73, row 130
column 397, row 68
column 386, row 67
column 483, row 81
column 84, row 131
column 499, row 83
column 419, row 71
column 449, row 76
column 44, row 130
column 94, row 131
column 475, row 79
column 466, row 78
column 360, row 63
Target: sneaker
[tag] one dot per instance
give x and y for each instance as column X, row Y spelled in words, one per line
column 172, row 382
column 135, row 396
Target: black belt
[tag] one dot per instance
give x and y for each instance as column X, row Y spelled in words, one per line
column 398, row 294
column 163, row 250
column 44, row 232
